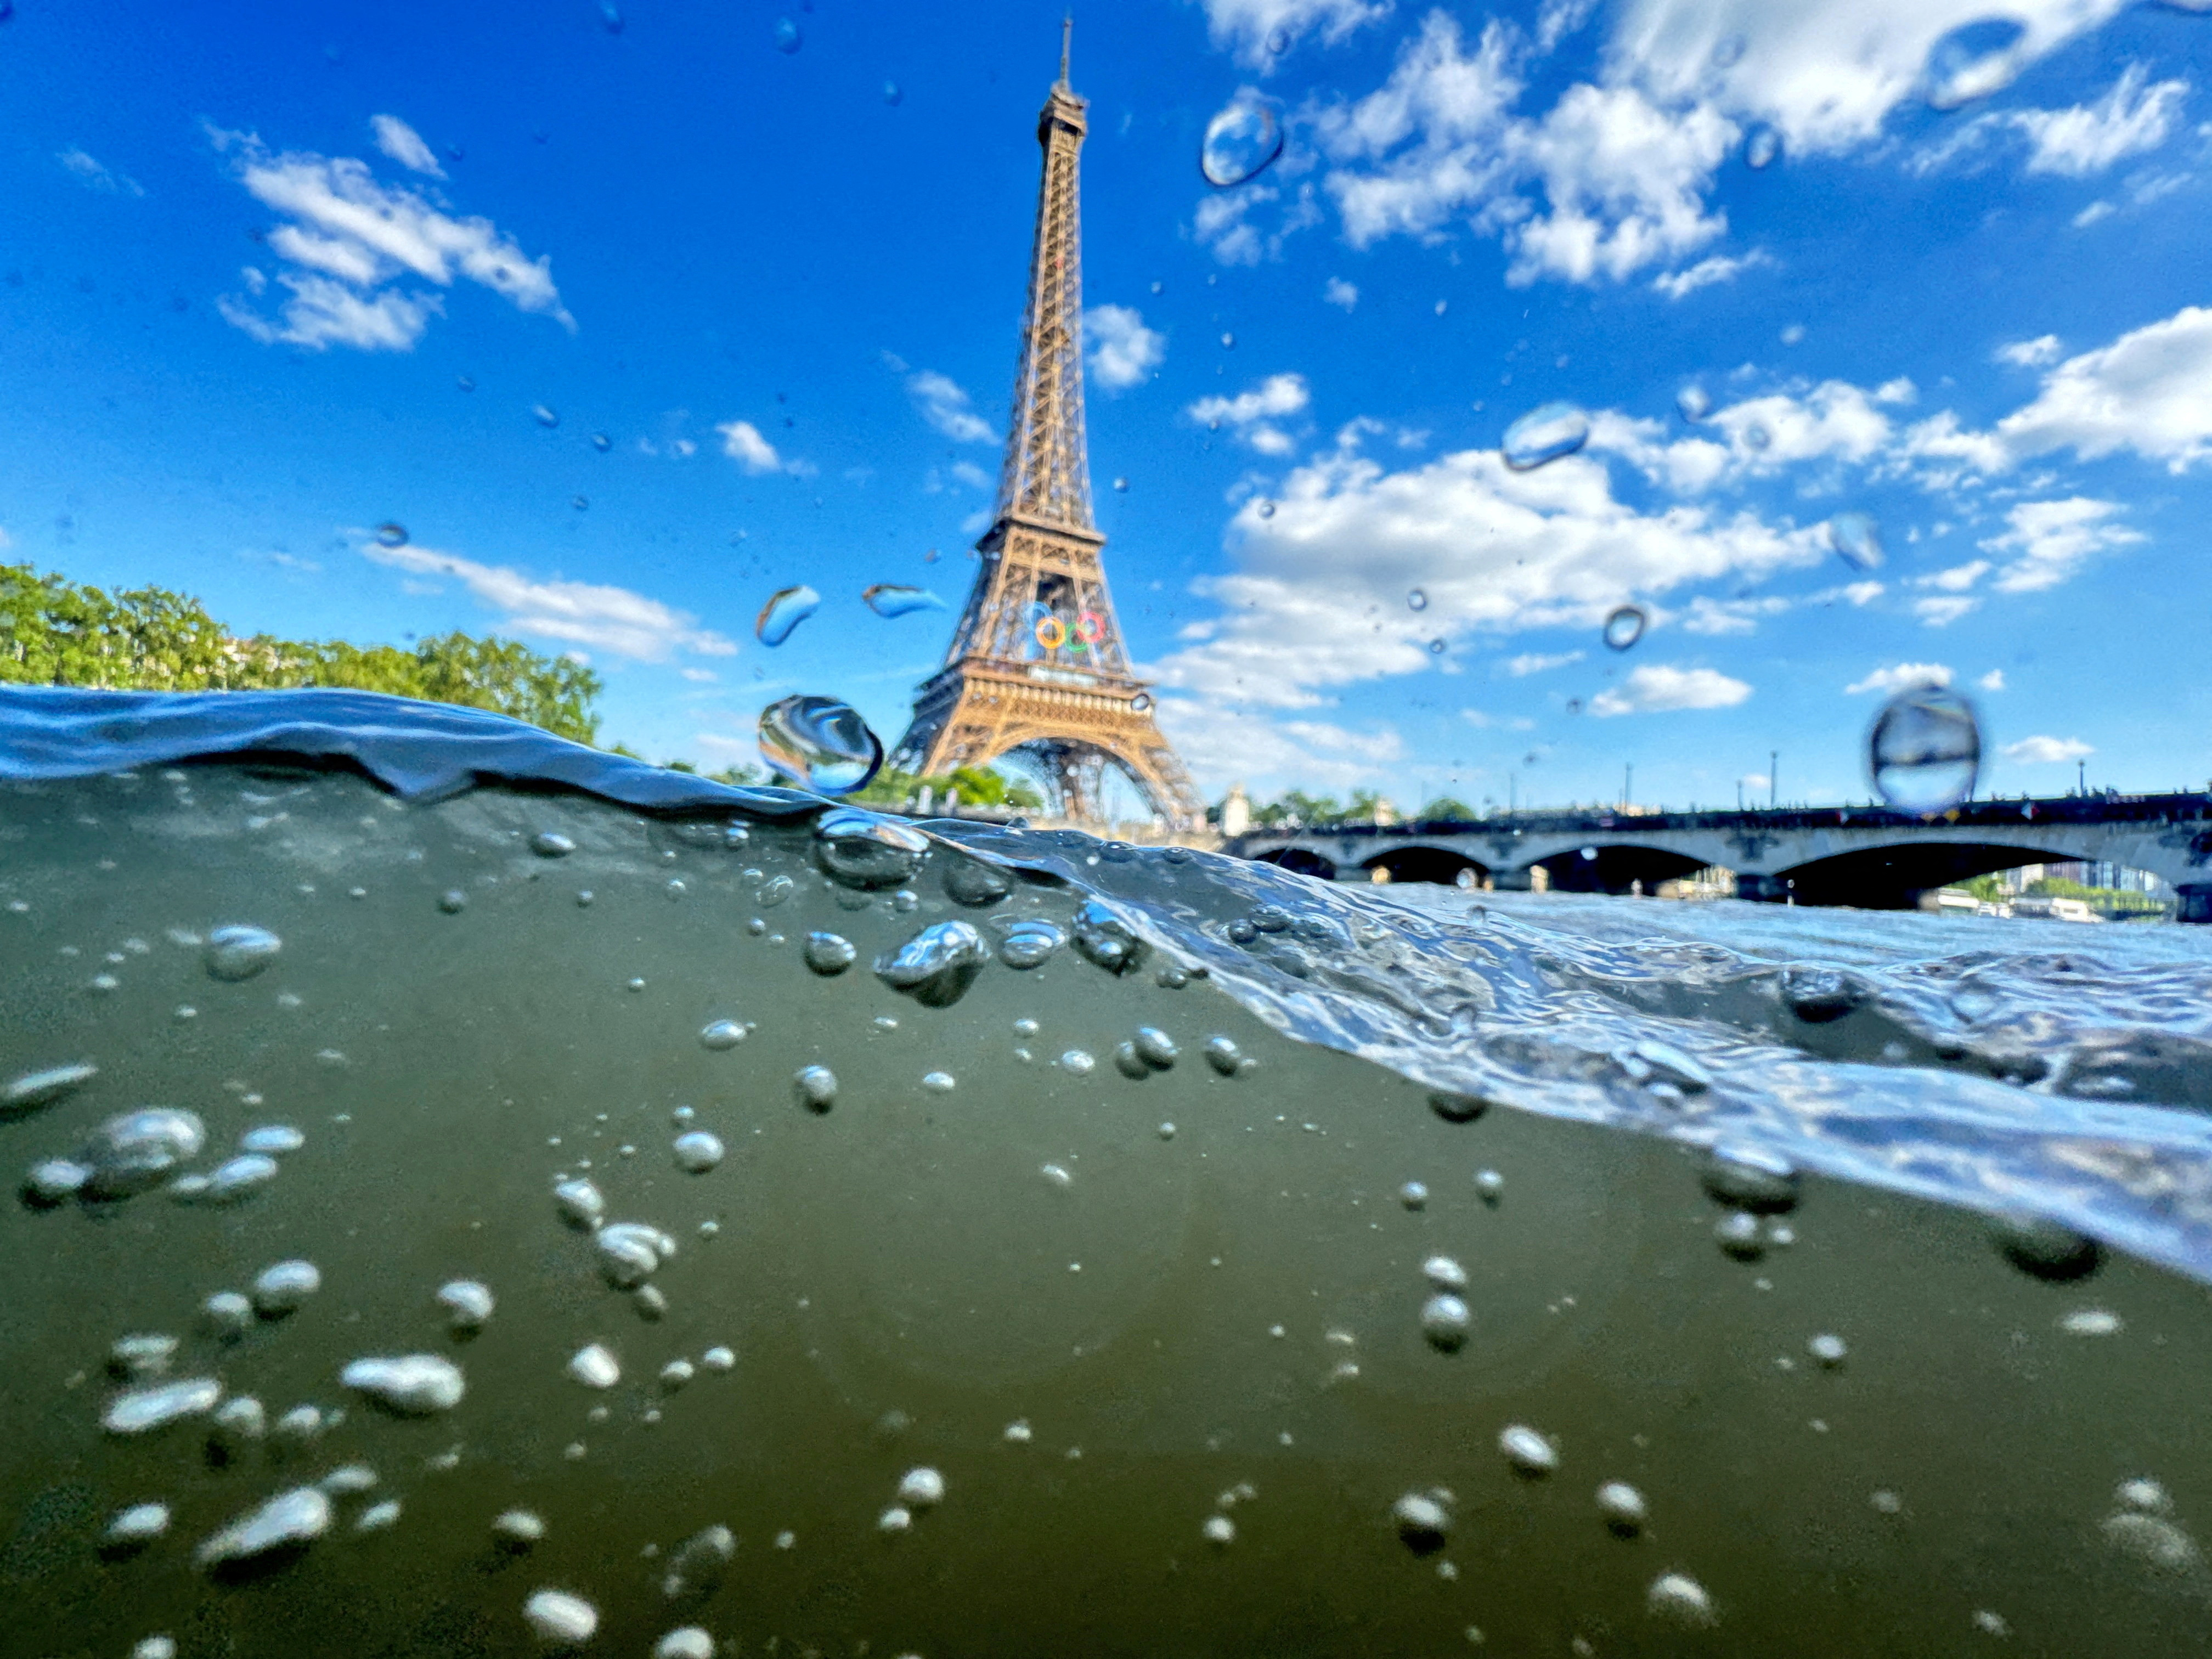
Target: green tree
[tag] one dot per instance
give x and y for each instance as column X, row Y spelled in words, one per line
column 54, row 632
column 1446, row 806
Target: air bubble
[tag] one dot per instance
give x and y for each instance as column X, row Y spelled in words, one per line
column 936, row 965
column 1738, row 1236
column 697, row 1152
column 866, row 850
column 1027, row 944
column 1828, row 1349
column 1528, row 1451
column 271, row 1137
column 139, row 1149
column 1622, row 1508
column 1751, row 1178
column 1422, row 1522
column 290, row 1520
column 1444, row 1273
column 1219, row 1531
column 138, row 1526
column 1681, row 1600
column 33, row 1090
column 561, row 1619
column 688, row 1642
column 518, row 1529
column 815, row 1087
column 1444, row 1321
column 722, row 1033
column 1488, row 1186
column 284, row 1288
column 1413, row 1195
column 580, row 1203
column 594, row 1367
column 141, row 1411
column 551, row 844
column 412, row 1385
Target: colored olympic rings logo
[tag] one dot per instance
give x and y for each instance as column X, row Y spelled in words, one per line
column 1053, row 634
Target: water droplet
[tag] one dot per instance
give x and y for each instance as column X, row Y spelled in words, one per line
column 465, row 383
column 1624, row 626
column 891, row 599
column 1760, row 149
column 138, row 1526
column 1528, row 1451
column 697, row 1152
column 1750, row 1178
column 815, row 1087
column 1622, row 1508
column 1444, row 1321
column 1925, row 749
column 1444, row 1273
column 559, row 1618
column 1544, row 434
column 921, row 1488
column 1241, row 142
column 141, row 1411
column 1856, row 538
column 1122, row 485
column 936, row 965
column 820, row 743
column 581, row 503
column 786, row 609
column 610, row 17
column 1694, row 402
column 787, row 37
column 240, row 952
column 35, row 1089
column 392, row 533
column 289, row 1521
column 1417, row 600
column 284, row 1288
column 1422, row 1521
column 1972, row 61
column 2044, row 1249
column 1681, row 1600
column 892, row 96
column 594, row 1367
column 411, row 1385
column 468, row 1306
column 1756, row 437
column 866, row 850
column 545, row 416
column 1436, row 647
column 1026, row 944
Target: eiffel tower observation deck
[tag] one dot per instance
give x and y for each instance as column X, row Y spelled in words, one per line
column 1037, row 668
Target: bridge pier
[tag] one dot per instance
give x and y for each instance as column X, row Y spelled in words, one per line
column 1513, row 881
column 1762, row 890
column 2195, row 901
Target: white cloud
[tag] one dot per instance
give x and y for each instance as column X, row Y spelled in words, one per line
column 1833, row 420
column 1317, row 597
column 946, row 406
column 1256, row 30
column 1660, row 688
column 1941, row 611
column 2045, row 752
column 322, row 312
column 1484, row 722
column 1223, row 221
column 404, row 145
column 2150, row 391
column 584, row 613
column 1123, row 351
column 1340, row 292
column 1992, row 681
column 743, row 443
column 1956, row 579
column 1720, row 268
column 353, row 236
column 2091, row 214
column 2048, row 541
column 1221, row 743
column 2030, row 354
column 1901, row 677
column 1535, row 662
column 971, row 474
column 702, row 676
column 95, row 175
column 2129, row 119
column 1252, row 414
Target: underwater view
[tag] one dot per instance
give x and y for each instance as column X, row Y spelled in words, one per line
column 637, row 1017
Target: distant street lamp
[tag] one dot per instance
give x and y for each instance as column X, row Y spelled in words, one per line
column 1773, row 777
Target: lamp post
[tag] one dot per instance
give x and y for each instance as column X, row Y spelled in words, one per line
column 1773, row 778
column 1627, row 784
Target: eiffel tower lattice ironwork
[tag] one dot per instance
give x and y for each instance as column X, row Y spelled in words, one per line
column 1036, row 665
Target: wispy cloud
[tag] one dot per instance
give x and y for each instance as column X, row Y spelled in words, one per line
column 1338, row 292
column 743, row 443
column 404, row 145
column 615, row 619
column 1720, row 268
column 945, row 405
column 349, row 238
column 1536, row 662
column 1252, row 414
column 1260, row 31
column 2045, row 752
column 1661, row 688
column 95, row 175
column 1901, row 677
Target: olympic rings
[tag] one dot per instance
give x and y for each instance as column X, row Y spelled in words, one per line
column 1089, row 627
column 1051, row 633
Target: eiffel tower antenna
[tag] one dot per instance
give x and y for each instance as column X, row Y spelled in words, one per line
column 1036, row 666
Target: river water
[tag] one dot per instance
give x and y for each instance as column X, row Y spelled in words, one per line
column 832, row 1236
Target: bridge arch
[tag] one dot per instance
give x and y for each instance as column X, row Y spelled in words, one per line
column 1894, row 877
column 1299, row 861
column 1613, row 866
column 1444, row 866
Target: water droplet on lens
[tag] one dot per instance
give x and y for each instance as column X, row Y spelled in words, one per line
column 1761, row 148
column 1856, row 538
column 239, row 952
column 1925, row 751
column 390, row 534
column 697, row 1152
column 610, row 17
column 891, row 599
column 1416, row 599
column 1694, row 402
column 1528, row 1451
column 581, row 503
column 787, row 37
column 559, row 1620
column 819, row 744
column 1972, row 61
column 1444, row 1321
column 601, row 442
column 786, row 609
column 1624, row 626
column 1121, row 485
column 545, row 416
column 1544, row 434
column 936, row 965
column 1241, row 142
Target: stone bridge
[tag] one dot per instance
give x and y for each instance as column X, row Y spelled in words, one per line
column 1869, row 856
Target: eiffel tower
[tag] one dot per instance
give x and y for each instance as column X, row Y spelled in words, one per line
column 1037, row 666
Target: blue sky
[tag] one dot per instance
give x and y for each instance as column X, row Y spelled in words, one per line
column 248, row 269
